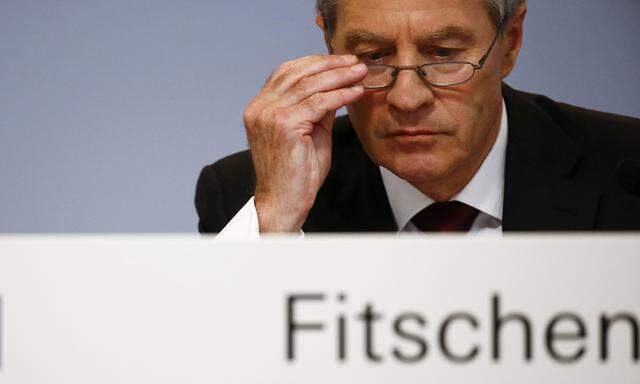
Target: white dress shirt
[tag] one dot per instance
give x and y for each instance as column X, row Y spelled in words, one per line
column 484, row 192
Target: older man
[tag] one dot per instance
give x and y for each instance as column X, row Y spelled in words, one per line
column 434, row 140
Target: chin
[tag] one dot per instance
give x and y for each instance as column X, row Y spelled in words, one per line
column 419, row 168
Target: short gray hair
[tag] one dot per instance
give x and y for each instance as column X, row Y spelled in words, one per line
column 500, row 11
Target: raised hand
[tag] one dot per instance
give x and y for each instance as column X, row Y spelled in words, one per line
column 289, row 130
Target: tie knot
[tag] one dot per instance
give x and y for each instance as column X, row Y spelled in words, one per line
column 449, row 216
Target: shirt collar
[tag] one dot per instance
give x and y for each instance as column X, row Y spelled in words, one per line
column 484, row 192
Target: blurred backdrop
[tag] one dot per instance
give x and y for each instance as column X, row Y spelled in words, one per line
column 109, row 109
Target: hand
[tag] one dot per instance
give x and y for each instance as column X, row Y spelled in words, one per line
column 289, row 126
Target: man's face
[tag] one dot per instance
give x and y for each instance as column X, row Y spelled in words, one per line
column 422, row 133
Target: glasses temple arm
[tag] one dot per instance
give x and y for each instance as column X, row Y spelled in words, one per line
column 493, row 43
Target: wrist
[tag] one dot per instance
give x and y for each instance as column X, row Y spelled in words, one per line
column 276, row 215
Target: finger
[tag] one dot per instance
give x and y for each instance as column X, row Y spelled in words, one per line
column 292, row 72
column 324, row 82
column 322, row 139
column 314, row 108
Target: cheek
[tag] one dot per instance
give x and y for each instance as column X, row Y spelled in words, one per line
column 459, row 113
column 476, row 115
column 368, row 110
column 470, row 133
column 369, row 118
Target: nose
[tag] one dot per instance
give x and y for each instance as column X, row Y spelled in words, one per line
column 409, row 92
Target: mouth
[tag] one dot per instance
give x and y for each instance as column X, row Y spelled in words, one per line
column 409, row 133
column 413, row 138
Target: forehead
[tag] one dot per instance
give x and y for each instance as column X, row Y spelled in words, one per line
column 393, row 18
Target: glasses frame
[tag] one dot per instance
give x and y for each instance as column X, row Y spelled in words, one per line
column 420, row 69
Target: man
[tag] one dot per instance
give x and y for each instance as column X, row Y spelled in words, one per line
column 434, row 141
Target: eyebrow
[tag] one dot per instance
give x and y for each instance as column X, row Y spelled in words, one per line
column 357, row 37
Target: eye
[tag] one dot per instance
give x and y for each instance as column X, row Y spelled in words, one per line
column 374, row 57
column 444, row 54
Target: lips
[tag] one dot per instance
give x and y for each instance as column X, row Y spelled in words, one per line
column 414, row 133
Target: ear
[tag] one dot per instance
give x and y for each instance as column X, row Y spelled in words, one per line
column 327, row 40
column 513, row 40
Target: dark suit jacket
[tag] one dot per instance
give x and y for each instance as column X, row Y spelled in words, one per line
column 567, row 168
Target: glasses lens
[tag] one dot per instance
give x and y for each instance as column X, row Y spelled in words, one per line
column 379, row 76
column 448, row 73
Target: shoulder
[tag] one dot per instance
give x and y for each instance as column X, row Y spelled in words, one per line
column 598, row 133
column 608, row 146
column 222, row 190
column 236, row 169
column 605, row 141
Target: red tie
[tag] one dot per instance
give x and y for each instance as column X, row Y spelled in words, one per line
column 450, row 216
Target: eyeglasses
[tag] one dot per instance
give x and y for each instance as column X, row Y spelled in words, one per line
column 443, row 74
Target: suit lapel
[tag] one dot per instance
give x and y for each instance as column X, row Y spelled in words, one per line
column 539, row 193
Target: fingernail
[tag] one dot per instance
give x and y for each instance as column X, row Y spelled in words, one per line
column 359, row 68
column 357, row 88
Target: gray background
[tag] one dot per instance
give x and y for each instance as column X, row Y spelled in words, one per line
column 109, row 109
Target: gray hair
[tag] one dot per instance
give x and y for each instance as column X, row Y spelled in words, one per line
column 500, row 11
